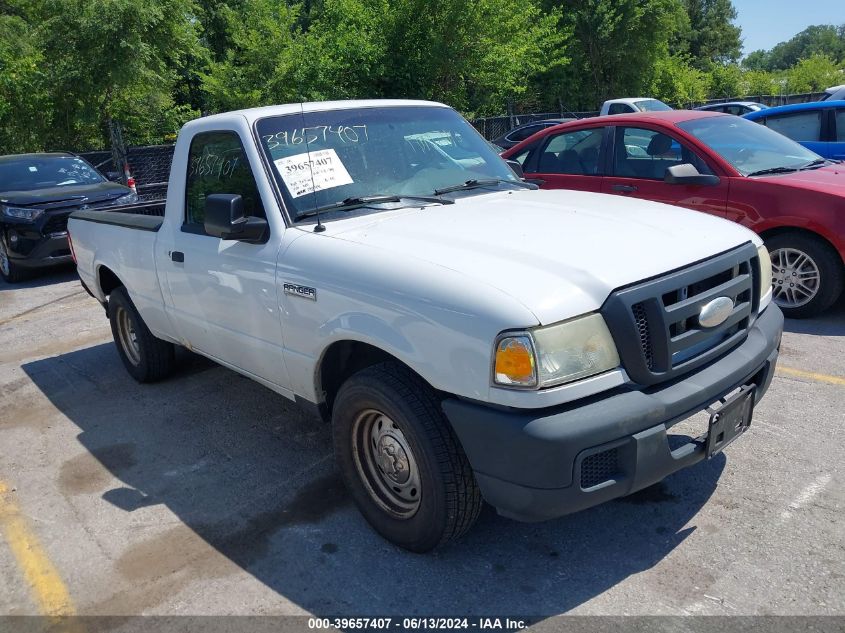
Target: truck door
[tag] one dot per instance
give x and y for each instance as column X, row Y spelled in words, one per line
column 223, row 291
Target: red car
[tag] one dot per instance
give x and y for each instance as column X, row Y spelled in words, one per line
column 719, row 164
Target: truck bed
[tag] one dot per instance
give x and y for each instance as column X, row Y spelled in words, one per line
column 143, row 216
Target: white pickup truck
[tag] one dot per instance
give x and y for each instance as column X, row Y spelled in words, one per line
column 468, row 336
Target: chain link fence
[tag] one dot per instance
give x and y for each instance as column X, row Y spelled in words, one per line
column 149, row 165
column 493, row 127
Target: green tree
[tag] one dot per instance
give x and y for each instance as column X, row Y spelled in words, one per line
column 725, row 81
column 117, row 60
column 822, row 39
column 814, row 74
column 677, row 82
column 23, row 100
column 712, row 36
column 615, row 46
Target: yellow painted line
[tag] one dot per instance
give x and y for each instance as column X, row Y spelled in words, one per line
column 41, row 575
column 810, row 375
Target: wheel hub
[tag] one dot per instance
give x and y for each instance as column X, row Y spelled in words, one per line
column 795, row 277
column 392, row 459
column 386, row 464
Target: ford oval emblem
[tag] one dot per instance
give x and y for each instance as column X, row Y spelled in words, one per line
column 715, row 312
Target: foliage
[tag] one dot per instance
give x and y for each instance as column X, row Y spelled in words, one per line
column 615, row 46
column 712, row 37
column 21, row 121
column 678, row 82
column 814, row 74
column 825, row 39
column 69, row 68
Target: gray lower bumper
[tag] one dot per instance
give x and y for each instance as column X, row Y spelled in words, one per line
column 530, row 465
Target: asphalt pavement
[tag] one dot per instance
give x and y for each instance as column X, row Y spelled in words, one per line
column 209, row 494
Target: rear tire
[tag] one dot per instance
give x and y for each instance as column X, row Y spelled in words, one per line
column 400, row 459
column 146, row 358
column 807, row 274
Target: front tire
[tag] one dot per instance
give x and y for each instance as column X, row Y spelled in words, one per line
column 400, row 459
column 146, row 358
column 807, row 274
column 10, row 272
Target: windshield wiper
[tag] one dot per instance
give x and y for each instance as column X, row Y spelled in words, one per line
column 818, row 162
column 474, row 184
column 773, row 170
column 362, row 201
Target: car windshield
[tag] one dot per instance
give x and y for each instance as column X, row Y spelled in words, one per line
column 749, row 147
column 325, row 158
column 27, row 173
column 651, row 105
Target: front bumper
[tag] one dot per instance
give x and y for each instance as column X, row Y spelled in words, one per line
column 35, row 250
column 540, row 464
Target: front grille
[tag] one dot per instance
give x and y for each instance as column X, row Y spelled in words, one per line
column 599, row 467
column 656, row 326
column 56, row 223
column 642, row 329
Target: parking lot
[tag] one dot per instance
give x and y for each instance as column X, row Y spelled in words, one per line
column 208, row 494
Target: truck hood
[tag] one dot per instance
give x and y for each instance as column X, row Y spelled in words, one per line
column 559, row 253
column 65, row 196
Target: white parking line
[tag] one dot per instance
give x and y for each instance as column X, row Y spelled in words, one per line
column 807, row 495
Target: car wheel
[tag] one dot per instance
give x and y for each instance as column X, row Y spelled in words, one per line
column 145, row 357
column 400, row 459
column 807, row 274
column 8, row 270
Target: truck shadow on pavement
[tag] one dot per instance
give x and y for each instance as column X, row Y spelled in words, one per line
column 253, row 477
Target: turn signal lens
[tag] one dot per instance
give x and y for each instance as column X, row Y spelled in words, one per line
column 515, row 362
column 765, row 276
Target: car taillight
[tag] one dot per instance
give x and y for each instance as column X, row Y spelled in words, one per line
column 70, row 245
column 130, row 182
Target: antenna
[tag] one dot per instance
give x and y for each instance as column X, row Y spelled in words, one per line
column 320, row 226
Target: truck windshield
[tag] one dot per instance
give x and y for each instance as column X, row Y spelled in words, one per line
column 750, row 147
column 30, row 172
column 321, row 159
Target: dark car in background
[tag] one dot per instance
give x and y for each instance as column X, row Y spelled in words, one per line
column 37, row 194
column 818, row 126
column 522, row 132
column 737, row 108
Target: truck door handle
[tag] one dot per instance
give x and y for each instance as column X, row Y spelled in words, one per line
column 177, row 256
column 624, row 188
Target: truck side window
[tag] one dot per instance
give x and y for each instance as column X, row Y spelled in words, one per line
column 217, row 163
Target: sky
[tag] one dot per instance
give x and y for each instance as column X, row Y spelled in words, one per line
column 768, row 22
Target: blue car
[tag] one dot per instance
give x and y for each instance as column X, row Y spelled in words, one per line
column 818, row 126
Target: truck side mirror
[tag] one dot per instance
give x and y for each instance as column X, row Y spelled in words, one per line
column 516, row 167
column 224, row 218
column 687, row 174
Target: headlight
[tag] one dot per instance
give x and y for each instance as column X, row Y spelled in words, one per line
column 556, row 354
column 129, row 198
column 23, row 213
column 765, row 276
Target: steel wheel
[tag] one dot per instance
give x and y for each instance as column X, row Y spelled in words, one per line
column 5, row 266
column 386, row 464
column 795, row 277
column 128, row 336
